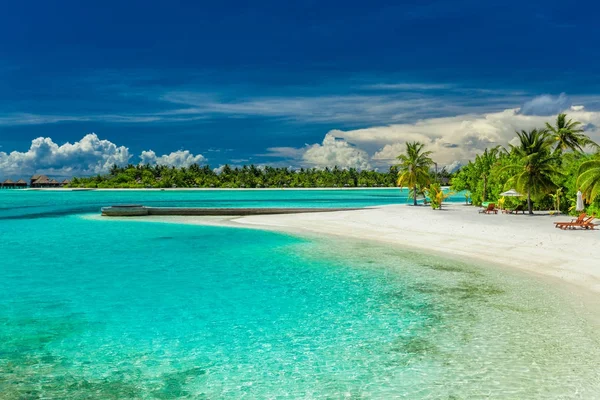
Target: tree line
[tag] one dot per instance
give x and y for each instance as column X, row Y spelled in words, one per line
column 160, row 176
column 251, row 176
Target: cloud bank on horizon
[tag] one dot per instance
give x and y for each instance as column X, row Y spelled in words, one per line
column 454, row 140
column 88, row 156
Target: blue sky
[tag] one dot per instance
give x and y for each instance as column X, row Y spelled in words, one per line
column 264, row 81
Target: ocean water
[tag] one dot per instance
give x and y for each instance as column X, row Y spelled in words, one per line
column 34, row 204
column 111, row 309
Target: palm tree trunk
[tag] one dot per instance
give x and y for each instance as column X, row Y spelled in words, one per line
column 415, row 193
column 529, row 205
column 484, row 188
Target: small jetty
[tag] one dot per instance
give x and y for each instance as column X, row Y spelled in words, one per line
column 138, row 210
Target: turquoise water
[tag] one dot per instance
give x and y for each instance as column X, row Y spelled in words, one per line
column 21, row 203
column 107, row 309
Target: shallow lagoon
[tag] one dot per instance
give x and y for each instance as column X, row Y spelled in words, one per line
column 37, row 204
column 112, row 309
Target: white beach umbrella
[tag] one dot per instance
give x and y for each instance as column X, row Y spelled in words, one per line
column 580, row 206
column 511, row 193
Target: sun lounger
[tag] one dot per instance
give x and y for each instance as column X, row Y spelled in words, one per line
column 589, row 223
column 491, row 208
column 583, row 223
column 564, row 224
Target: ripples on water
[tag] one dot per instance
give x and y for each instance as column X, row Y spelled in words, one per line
column 111, row 309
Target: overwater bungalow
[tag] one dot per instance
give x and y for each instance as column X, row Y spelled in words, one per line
column 9, row 184
column 42, row 181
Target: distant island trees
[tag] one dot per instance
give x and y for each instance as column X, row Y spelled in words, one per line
column 196, row 176
column 160, row 176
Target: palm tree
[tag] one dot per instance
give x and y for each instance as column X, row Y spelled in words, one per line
column 568, row 135
column 589, row 179
column 414, row 166
column 420, row 191
column 536, row 164
column 485, row 161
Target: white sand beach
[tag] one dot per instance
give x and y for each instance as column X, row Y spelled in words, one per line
column 530, row 243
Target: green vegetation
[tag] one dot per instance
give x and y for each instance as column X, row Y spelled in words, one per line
column 146, row 176
column 589, row 178
column 548, row 166
column 535, row 165
column 437, row 195
column 568, row 135
column 414, row 168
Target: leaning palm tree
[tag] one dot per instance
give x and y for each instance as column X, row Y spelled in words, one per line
column 589, row 179
column 535, row 164
column 568, row 135
column 414, row 166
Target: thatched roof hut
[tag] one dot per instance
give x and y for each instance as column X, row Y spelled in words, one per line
column 10, row 184
column 39, row 181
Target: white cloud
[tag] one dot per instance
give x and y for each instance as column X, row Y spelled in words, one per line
column 336, row 152
column 453, row 166
column 546, row 105
column 452, row 139
column 179, row 158
column 219, row 169
column 90, row 155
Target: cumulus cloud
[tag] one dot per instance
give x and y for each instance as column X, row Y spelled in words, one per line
column 179, row 158
column 455, row 166
column 336, row 152
column 546, row 105
column 90, row 155
column 453, row 140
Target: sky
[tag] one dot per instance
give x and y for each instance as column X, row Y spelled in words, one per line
column 84, row 85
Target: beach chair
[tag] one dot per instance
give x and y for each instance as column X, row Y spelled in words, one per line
column 585, row 224
column 573, row 223
column 491, row 208
column 515, row 210
column 589, row 223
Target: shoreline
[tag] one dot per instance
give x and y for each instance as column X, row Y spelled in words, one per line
column 528, row 243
